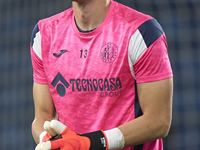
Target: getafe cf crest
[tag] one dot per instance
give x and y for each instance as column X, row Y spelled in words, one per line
column 109, row 52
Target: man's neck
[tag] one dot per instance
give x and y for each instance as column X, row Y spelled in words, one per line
column 91, row 13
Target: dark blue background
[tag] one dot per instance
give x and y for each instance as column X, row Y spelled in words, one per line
column 180, row 20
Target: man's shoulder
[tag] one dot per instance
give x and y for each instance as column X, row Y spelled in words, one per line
column 63, row 16
column 132, row 16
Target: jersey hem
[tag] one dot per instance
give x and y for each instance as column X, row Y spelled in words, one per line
column 39, row 81
column 154, row 78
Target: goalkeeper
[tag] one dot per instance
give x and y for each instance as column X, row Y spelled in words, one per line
column 102, row 79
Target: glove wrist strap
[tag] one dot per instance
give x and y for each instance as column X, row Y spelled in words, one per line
column 98, row 140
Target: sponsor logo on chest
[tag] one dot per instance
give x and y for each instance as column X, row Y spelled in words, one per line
column 106, row 87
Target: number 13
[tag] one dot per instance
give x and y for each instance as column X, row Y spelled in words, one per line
column 83, row 53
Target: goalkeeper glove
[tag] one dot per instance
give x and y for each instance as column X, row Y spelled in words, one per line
column 48, row 134
column 71, row 141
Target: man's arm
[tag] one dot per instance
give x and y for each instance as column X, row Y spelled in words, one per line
column 44, row 109
column 156, row 104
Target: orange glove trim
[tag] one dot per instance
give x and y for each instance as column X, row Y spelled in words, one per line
column 71, row 141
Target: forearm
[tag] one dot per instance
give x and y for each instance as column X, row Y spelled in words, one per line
column 144, row 129
column 44, row 108
column 37, row 128
column 156, row 105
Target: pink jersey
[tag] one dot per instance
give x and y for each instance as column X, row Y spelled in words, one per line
column 91, row 76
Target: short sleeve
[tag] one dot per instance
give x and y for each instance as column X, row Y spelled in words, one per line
column 36, row 57
column 148, row 54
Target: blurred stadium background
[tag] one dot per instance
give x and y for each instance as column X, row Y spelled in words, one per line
column 180, row 20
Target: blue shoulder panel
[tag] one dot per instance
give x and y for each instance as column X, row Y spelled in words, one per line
column 35, row 31
column 151, row 30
